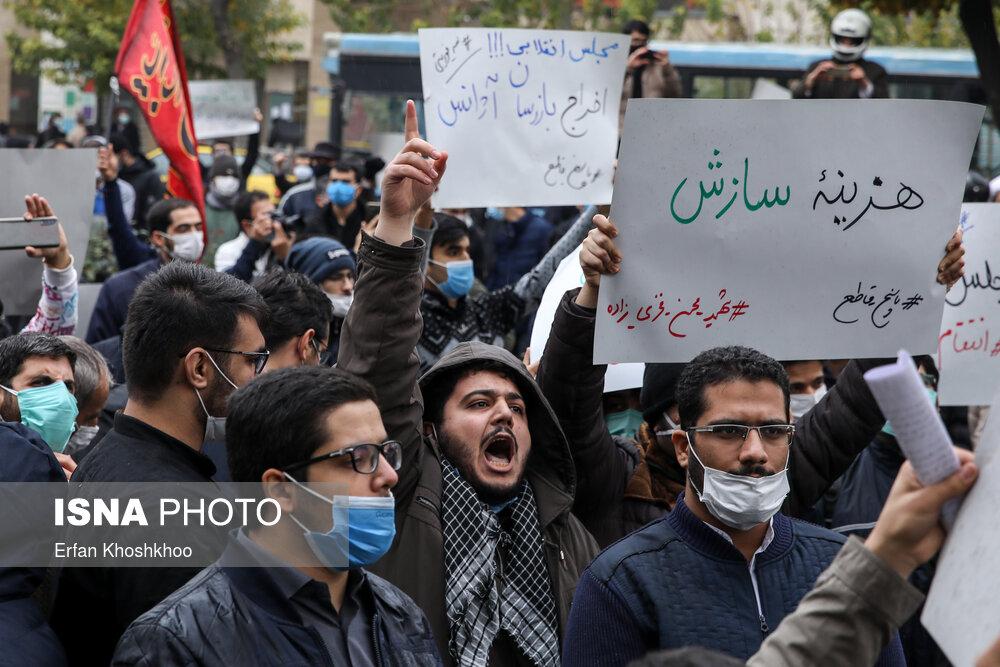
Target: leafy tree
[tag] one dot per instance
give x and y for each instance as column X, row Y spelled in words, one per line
column 75, row 41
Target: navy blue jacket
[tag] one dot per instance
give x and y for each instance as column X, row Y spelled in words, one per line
column 25, row 637
column 113, row 299
column 676, row 582
column 519, row 247
column 129, row 250
column 237, row 616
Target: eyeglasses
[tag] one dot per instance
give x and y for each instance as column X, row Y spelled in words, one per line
column 771, row 434
column 364, row 456
column 259, row 358
column 322, row 353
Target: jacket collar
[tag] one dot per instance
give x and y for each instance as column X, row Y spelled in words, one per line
column 131, row 427
column 700, row 537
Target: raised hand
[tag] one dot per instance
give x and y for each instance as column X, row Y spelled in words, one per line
column 58, row 257
column 409, row 181
column 599, row 256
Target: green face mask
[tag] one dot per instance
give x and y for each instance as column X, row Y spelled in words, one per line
column 50, row 410
column 624, row 423
column 887, row 428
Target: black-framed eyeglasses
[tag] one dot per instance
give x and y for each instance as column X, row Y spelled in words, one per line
column 736, row 434
column 322, row 353
column 929, row 380
column 259, row 358
column 364, row 456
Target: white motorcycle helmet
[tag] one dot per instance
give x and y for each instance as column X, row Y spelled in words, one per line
column 855, row 26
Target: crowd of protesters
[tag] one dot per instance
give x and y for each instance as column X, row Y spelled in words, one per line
column 731, row 510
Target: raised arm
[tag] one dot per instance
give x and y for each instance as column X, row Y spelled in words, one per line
column 56, row 313
column 379, row 338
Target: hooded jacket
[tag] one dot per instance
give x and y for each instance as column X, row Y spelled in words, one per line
column 378, row 343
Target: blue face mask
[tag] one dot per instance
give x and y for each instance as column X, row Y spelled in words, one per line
column 460, row 278
column 340, row 193
column 363, row 529
column 887, row 428
column 625, row 423
column 494, row 213
column 50, row 410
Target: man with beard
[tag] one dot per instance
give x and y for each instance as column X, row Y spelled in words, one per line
column 485, row 541
column 725, row 566
column 192, row 336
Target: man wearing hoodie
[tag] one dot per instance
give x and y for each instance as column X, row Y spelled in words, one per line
column 220, row 220
column 485, row 541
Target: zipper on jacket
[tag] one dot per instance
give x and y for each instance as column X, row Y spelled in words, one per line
column 376, row 621
column 562, row 554
column 763, row 624
column 426, row 503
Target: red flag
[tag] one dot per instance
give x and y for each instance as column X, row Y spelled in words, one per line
column 150, row 66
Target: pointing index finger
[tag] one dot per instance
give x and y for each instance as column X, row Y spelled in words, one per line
column 412, row 128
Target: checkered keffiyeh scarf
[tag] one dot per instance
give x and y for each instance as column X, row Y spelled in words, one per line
column 484, row 595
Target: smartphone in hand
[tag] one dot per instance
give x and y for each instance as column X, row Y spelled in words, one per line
column 20, row 233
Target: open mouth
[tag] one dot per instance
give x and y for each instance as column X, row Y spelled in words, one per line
column 499, row 452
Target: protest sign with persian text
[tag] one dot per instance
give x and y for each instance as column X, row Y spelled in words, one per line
column 806, row 229
column 223, row 108
column 969, row 342
column 528, row 117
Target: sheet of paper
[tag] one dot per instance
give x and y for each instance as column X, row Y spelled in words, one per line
column 961, row 611
column 569, row 276
column 223, row 108
column 806, row 230
column 902, row 397
column 969, row 341
column 67, row 180
column 528, row 117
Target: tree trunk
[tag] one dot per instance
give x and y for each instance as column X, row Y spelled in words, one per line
column 227, row 39
column 977, row 20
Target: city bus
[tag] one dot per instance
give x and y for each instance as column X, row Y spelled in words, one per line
column 373, row 76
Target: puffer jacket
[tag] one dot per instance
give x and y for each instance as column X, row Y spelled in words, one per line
column 618, row 494
column 378, row 343
column 229, row 616
column 677, row 582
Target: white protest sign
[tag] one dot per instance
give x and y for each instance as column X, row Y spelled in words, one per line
column 961, row 611
column 528, row 117
column 806, row 229
column 67, row 180
column 223, row 108
column 569, row 276
column 969, row 343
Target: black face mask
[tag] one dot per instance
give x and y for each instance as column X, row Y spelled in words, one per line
column 633, row 48
column 321, row 170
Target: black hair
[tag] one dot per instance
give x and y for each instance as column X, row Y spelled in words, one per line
column 224, row 142
column 181, row 306
column 635, row 25
column 720, row 365
column 449, row 229
column 15, row 349
column 279, row 418
column 927, row 361
column 159, row 215
column 243, row 205
column 296, row 304
column 438, row 393
column 119, row 142
column 350, row 165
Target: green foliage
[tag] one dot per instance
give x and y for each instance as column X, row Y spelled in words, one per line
column 87, row 35
column 371, row 16
column 929, row 23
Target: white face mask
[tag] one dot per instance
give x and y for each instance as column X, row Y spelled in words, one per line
column 302, row 172
column 215, row 427
column 81, row 438
column 739, row 501
column 226, row 186
column 187, row 246
column 799, row 404
column 341, row 303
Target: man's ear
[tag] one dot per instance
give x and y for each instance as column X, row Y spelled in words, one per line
column 681, row 446
column 194, row 366
column 303, row 347
column 278, row 487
